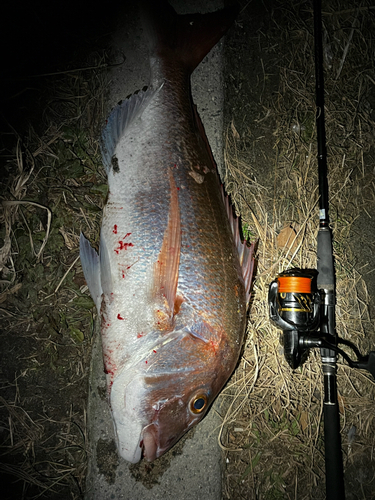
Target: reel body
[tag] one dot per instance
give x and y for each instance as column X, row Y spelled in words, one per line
column 294, row 305
column 300, row 311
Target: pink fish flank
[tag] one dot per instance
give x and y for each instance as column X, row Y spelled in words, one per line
column 172, row 278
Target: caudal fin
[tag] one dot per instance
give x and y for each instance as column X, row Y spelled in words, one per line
column 186, row 38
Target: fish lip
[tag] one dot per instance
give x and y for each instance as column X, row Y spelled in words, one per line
column 150, row 447
column 130, row 450
column 151, row 444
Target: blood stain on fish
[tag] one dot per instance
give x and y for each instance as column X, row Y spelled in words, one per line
column 123, row 245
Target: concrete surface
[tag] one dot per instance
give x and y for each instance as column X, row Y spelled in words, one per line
column 192, row 469
column 193, row 472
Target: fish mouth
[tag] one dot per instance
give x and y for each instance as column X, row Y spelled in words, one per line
column 150, row 447
column 129, row 443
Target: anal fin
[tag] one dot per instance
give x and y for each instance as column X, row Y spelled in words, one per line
column 91, row 269
column 120, row 119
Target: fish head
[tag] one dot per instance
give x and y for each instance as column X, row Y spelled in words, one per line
column 173, row 415
column 171, row 390
column 152, row 411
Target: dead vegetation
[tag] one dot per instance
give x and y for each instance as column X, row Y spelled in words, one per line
column 272, row 431
column 52, row 187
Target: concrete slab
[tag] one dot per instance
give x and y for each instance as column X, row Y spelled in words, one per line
column 192, row 469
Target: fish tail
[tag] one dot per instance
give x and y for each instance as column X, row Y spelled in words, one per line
column 184, row 38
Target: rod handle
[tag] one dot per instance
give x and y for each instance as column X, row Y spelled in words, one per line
column 326, row 271
column 333, row 456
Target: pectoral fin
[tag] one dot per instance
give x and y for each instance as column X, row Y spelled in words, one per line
column 165, row 277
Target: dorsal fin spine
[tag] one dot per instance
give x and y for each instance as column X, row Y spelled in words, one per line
column 245, row 250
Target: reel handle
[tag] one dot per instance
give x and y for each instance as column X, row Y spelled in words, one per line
column 367, row 363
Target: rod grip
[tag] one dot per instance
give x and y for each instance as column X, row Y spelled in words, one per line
column 333, row 455
column 326, row 271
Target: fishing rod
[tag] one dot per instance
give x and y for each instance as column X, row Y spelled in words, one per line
column 302, row 302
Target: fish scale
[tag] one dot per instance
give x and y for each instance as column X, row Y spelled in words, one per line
column 168, row 283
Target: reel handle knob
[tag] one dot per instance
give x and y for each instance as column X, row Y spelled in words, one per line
column 367, row 363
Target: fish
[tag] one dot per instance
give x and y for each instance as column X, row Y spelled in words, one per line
column 172, row 278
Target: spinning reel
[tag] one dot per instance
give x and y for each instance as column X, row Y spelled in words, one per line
column 295, row 307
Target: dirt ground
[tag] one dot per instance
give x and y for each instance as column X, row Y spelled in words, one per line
column 46, row 315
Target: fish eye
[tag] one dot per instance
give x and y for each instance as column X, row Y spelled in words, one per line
column 198, row 403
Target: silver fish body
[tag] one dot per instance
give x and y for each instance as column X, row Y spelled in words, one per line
column 171, row 280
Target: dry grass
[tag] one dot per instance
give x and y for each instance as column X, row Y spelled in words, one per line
column 52, row 187
column 271, row 431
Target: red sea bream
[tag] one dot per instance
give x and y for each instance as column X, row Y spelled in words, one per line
column 172, row 278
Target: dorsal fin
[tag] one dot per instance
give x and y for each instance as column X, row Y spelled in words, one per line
column 245, row 250
column 166, row 267
column 120, row 119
